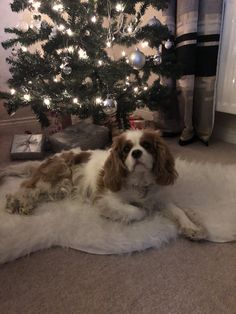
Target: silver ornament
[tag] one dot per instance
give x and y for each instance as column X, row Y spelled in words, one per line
column 154, row 22
column 137, row 59
column 109, row 105
column 157, row 59
column 168, row 44
column 66, row 70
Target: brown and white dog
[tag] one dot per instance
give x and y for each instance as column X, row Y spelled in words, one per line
column 124, row 183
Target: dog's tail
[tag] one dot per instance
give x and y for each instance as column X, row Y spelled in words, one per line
column 21, row 170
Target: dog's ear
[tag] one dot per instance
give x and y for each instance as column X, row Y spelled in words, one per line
column 164, row 163
column 114, row 168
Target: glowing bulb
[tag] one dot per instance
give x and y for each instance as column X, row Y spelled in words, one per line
column 123, row 53
column 58, row 7
column 13, row 91
column 36, row 5
column 55, row 80
column 98, row 100
column 135, row 89
column 108, row 44
column 47, row 101
column 30, row 82
column 27, row 97
column 71, row 49
column 145, row 88
column 24, row 49
column 144, row 44
column 127, row 60
column 100, row 62
column 75, row 100
column 127, row 77
column 130, row 29
column 94, row 19
column 69, row 32
column 61, row 27
column 119, row 7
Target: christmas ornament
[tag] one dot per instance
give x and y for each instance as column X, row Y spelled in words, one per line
column 137, row 59
column 23, row 26
column 157, row 59
column 87, row 33
column 109, row 105
column 67, row 70
column 168, row 44
column 154, row 22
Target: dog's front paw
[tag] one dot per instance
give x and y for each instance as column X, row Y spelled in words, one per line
column 15, row 204
column 194, row 233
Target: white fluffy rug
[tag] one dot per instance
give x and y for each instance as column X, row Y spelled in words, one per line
column 208, row 189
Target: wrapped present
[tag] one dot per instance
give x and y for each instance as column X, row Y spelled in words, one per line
column 143, row 118
column 27, row 146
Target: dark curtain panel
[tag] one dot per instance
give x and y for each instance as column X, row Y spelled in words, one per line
column 197, row 29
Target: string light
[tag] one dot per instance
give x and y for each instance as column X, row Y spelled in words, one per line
column 144, row 44
column 100, row 62
column 145, row 88
column 94, row 19
column 98, row 100
column 75, row 100
column 123, row 53
column 61, row 27
column 119, row 7
column 69, row 32
column 27, row 97
column 130, row 29
column 36, row 5
column 55, row 80
column 13, row 91
column 71, row 49
column 58, row 7
column 109, row 44
column 135, row 89
column 24, row 49
column 47, row 101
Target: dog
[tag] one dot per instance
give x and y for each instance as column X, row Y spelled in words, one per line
column 125, row 183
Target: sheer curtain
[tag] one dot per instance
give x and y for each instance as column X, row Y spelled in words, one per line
column 226, row 84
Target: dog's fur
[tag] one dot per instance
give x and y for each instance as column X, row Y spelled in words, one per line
column 123, row 182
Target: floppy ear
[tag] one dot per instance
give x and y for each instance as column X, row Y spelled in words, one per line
column 114, row 168
column 164, row 165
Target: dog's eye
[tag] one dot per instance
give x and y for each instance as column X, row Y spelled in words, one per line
column 127, row 148
column 146, row 145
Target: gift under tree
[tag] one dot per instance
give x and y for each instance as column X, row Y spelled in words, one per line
column 73, row 71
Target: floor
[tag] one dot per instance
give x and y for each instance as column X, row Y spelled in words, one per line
column 182, row 278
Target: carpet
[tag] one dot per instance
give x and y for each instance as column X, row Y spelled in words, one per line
column 207, row 189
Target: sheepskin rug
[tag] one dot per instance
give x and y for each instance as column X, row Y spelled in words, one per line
column 207, row 189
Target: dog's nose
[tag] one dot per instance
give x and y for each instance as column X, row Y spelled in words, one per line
column 136, row 154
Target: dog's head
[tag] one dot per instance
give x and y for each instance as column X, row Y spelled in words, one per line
column 139, row 151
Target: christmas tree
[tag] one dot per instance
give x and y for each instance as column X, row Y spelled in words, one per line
column 73, row 71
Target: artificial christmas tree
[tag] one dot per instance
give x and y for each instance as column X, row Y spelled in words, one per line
column 73, row 71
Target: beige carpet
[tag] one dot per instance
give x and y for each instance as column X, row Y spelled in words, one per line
column 181, row 278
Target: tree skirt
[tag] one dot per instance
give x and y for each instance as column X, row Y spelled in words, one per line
column 206, row 189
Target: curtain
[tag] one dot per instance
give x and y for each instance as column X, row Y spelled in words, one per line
column 196, row 24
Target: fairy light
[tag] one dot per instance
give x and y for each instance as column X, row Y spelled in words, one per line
column 27, row 97
column 144, row 44
column 55, row 80
column 130, row 29
column 109, row 44
column 47, row 101
column 75, row 100
column 30, row 82
column 135, row 89
column 58, row 7
column 24, row 49
column 36, row 5
column 145, row 88
column 100, row 62
column 69, row 32
column 13, row 91
column 123, row 53
column 127, row 60
column 94, row 19
column 71, row 49
column 61, row 27
column 98, row 100
column 119, row 7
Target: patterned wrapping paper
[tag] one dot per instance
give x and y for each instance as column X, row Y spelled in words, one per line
column 27, row 146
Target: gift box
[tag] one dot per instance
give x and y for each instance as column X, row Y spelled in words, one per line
column 143, row 118
column 27, row 146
